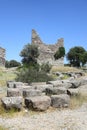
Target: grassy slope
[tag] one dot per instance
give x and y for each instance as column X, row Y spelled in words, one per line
column 2, row 128
column 64, row 69
column 6, row 75
column 9, row 74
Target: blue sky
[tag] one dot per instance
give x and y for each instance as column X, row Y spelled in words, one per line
column 52, row 19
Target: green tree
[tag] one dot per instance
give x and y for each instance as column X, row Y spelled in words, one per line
column 12, row 63
column 31, row 70
column 7, row 64
column 59, row 53
column 84, row 58
column 76, row 56
column 46, row 67
column 30, row 54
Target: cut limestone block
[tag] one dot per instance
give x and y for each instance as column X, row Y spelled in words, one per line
column 56, row 91
column 13, row 92
column 31, row 93
column 13, row 84
column 12, row 102
column 73, row 92
column 61, row 100
column 40, row 103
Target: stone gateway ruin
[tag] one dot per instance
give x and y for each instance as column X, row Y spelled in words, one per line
column 47, row 51
column 2, row 56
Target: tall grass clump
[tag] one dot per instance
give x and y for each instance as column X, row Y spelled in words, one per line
column 77, row 101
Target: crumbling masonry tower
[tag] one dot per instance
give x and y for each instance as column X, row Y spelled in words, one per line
column 47, row 51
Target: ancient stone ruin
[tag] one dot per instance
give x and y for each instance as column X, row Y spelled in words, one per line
column 47, row 51
column 40, row 96
column 2, row 56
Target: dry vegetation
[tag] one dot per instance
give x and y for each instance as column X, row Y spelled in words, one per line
column 6, row 75
column 77, row 101
column 64, row 69
column 2, row 128
column 9, row 74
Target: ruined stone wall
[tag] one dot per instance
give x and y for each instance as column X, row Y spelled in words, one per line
column 47, row 51
column 2, row 56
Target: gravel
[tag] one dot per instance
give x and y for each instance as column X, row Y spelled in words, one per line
column 65, row 119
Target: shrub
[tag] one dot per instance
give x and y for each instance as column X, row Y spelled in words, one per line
column 12, row 63
column 29, row 75
column 46, row 67
column 59, row 53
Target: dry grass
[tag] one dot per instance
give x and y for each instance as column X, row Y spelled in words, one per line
column 6, row 75
column 77, row 101
column 64, row 69
column 2, row 128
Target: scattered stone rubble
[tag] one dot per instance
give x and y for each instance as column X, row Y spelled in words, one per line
column 40, row 96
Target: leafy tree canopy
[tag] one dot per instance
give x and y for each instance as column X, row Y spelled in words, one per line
column 30, row 54
column 59, row 53
column 12, row 63
column 76, row 56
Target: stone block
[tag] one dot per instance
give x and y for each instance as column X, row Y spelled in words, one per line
column 56, row 91
column 12, row 102
column 73, row 92
column 31, row 93
column 40, row 103
column 59, row 101
column 13, row 92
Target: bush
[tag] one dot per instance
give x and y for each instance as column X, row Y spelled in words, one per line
column 59, row 53
column 29, row 75
column 12, row 63
column 46, row 67
column 31, row 71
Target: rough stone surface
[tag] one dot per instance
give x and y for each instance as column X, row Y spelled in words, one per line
column 13, row 84
column 40, row 103
column 18, row 84
column 38, row 83
column 13, row 92
column 56, row 83
column 59, row 101
column 2, row 56
column 10, row 84
column 42, row 88
column 73, row 92
column 12, row 102
column 56, row 91
column 75, row 83
column 31, row 93
column 47, row 51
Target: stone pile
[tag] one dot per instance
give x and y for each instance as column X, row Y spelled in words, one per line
column 40, row 96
